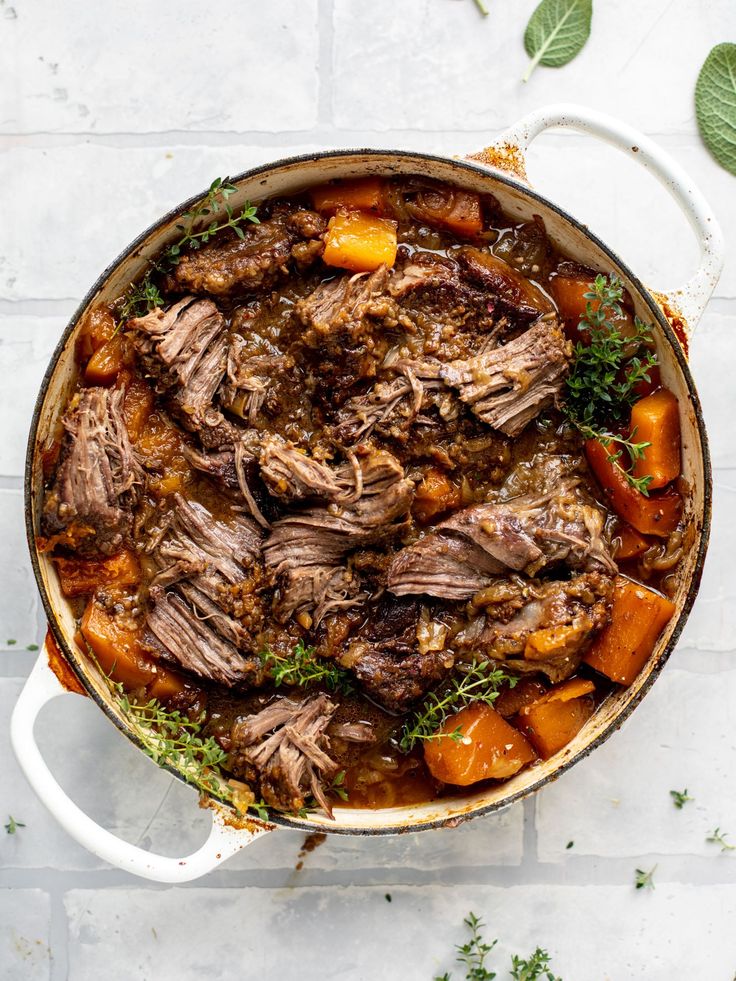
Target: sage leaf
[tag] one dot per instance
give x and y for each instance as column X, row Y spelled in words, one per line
column 715, row 104
column 556, row 32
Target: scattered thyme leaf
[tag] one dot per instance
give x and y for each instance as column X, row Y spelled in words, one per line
column 473, row 955
column 644, row 880
column 338, row 786
column 303, row 668
column 680, row 798
column 718, row 837
column 11, row 643
column 387, row 897
column 12, row 826
column 480, row 683
column 32, row 647
column 481, row 7
column 569, row 844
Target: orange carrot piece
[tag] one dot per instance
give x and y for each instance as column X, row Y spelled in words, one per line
column 361, row 194
column 659, row 514
column 557, row 717
column 638, row 617
column 456, row 211
column 80, row 577
column 434, row 495
column 628, row 543
column 490, row 748
column 108, row 361
column 512, row 700
column 656, row 420
column 98, row 327
column 359, row 241
column 568, row 292
column 137, row 407
column 117, row 648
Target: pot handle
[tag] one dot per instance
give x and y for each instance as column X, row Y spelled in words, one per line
column 509, row 153
column 222, row 842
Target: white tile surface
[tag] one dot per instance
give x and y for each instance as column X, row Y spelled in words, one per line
column 292, row 934
column 111, row 114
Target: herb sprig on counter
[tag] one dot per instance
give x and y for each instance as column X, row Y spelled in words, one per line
column 480, row 683
column 643, row 879
column 195, row 231
column 303, row 668
column 12, row 826
column 473, row 957
column 718, row 837
column 680, row 798
column 605, row 373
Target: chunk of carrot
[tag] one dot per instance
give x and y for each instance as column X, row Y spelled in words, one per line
column 137, row 407
column 456, row 211
column 435, row 495
column 638, row 616
column 80, row 577
column 108, row 361
column 658, row 514
column 568, row 291
column 628, row 543
column 557, row 717
column 98, row 327
column 512, row 700
column 359, row 241
column 489, row 748
column 361, row 194
column 117, row 647
column 656, row 420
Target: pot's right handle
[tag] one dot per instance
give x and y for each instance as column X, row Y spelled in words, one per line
column 223, row 841
column 509, row 153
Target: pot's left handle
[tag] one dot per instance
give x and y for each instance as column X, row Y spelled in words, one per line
column 222, row 842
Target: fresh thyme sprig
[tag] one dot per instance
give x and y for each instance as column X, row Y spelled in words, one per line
column 480, row 683
column 177, row 740
column 532, row 968
column 303, row 669
column 680, row 798
column 144, row 296
column 644, row 880
column 601, row 386
column 12, row 826
column 472, row 955
column 718, row 837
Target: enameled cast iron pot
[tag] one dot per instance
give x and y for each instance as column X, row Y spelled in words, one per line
column 500, row 171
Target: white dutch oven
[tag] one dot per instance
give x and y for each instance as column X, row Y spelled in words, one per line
column 500, row 171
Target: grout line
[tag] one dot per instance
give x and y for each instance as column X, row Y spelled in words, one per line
column 58, row 936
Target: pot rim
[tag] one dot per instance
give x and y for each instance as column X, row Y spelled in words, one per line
column 464, row 164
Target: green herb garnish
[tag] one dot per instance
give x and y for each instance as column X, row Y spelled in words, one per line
column 557, row 32
column 644, row 880
column 480, row 683
column 303, row 668
column 12, row 826
column 532, row 968
column 481, row 7
column 195, row 231
column 715, row 104
column 680, row 798
column 601, row 386
column 473, row 954
column 718, row 837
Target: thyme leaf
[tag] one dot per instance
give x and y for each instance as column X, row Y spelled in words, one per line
column 718, row 837
column 473, row 955
column 480, row 683
column 644, row 880
column 680, row 798
column 302, row 668
column 12, row 826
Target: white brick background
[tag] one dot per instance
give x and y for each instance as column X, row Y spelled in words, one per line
column 111, row 113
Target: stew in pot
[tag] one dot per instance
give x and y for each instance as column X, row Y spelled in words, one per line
column 371, row 489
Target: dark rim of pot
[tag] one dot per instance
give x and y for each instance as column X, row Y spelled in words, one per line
column 468, row 811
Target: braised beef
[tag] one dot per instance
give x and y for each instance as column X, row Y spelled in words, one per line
column 99, row 479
